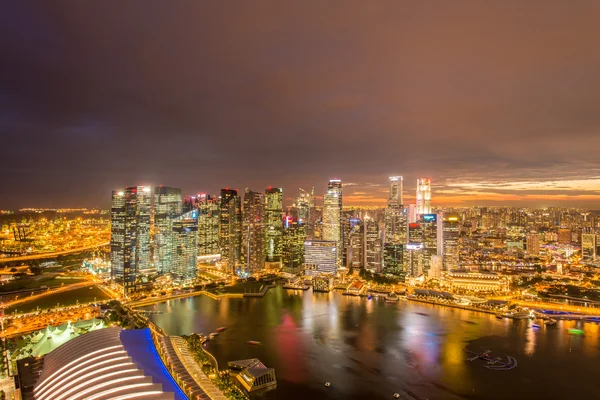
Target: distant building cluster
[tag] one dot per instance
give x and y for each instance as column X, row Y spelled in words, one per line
column 161, row 232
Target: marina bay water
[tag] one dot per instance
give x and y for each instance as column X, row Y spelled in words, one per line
column 370, row 349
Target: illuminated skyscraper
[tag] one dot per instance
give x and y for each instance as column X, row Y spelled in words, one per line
column 303, row 210
column 230, row 229
column 294, row 236
column 373, row 246
column 395, row 195
column 413, row 259
column 423, row 196
column 396, row 218
column 332, row 213
column 355, row 256
column 167, row 207
column 429, row 227
column 253, row 231
column 393, row 258
column 184, row 247
column 450, row 235
column 208, row 224
column 130, row 235
column 273, row 223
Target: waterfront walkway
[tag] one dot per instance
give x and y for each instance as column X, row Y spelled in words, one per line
column 186, row 370
column 153, row 300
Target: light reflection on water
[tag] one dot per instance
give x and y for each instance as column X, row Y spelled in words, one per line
column 371, row 349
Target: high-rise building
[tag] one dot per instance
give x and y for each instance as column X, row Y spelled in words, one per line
column 393, row 258
column 303, row 210
column 413, row 259
column 184, row 247
column 533, row 243
column 294, row 236
column 373, row 245
column 230, row 229
column 273, row 223
column 450, row 237
column 332, row 214
column 167, row 207
column 355, row 255
column 588, row 246
column 254, row 231
column 320, row 257
column 208, row 224
column 423, row 196
column 130, row 235
column 429, row 227
column 396, row 218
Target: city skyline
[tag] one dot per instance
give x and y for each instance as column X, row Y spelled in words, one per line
column 300, row 94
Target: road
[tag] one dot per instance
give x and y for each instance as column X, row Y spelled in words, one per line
column 51, row 255
column 61, row 289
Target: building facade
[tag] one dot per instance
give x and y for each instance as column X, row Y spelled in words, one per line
column 167, row 207
column 130, row 235
column 273, row 223
column 230, row 230
column 423, row 196
column 253, row 232
column 320, row 256
column 332, row 214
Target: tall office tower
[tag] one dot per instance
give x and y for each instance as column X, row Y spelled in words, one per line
column 423, row 196
column 208, row 224
column 184, row 247
column 320, row 257
column 429, row 227
column 294, row 236
column 450, row 235
column 413, row 259
column 373, row 246
column 253, row 228
column 355, row 254
column 588, row 246
column 230, row 229
column 130, row 235
column 393, row 258
column 167, row 207
column 395, row 226
column 304, row 210
column 533, row 243
column 332, row 215
column 415, row 233
column 273, row 223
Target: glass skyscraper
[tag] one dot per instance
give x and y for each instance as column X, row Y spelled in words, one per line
column 253, row 232
column 230, row 229
column 208, row 224
column 184, row 244
column 130, row 235
column 423, row 196
column 332, row 214
column 167, row 207
column 273, row 223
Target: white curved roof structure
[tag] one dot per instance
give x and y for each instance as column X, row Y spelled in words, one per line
column 106, row 364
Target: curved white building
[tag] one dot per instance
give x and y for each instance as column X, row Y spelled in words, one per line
column 107, row 364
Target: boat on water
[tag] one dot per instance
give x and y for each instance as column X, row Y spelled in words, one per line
column 254, row 343
column 392, row 298
column 535, row 326
column 520, row 315
column 212, row 335
column 221, row 329
column 493, row 363
column 498, row 316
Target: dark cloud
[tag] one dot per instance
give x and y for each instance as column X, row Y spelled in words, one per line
column 97, row 95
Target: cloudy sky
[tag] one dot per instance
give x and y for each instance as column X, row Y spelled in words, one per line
column 498, row 102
